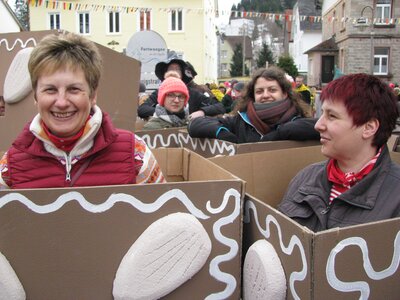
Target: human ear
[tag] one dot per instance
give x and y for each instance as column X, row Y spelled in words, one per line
column 370, row 128
column 93, row 99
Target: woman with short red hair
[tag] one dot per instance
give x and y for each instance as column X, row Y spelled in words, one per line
column 359, row 182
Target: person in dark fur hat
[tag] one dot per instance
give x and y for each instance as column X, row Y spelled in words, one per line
column 174, row 64
column 190, row 72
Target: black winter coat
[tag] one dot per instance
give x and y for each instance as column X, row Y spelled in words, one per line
column 238, row 129
column 197, row 101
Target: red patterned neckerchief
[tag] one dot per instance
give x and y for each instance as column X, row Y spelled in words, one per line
column 344, row 181
column 65, row 144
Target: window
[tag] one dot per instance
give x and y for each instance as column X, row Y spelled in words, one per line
column 114, row 22
column 381, row 61
column 343, row 20
column 84, row 23
column 176, row 20
column 145, row 20
column 224, row 67
column 224, row 53
column 54, row 19
column 383, row 10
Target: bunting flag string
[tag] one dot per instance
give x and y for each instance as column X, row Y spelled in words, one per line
column 66, row 5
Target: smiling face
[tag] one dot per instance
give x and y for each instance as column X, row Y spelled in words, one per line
column 266, row 91
column 340, row 138
column 64, row 101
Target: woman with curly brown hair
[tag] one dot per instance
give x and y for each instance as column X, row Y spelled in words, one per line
column 268, row 111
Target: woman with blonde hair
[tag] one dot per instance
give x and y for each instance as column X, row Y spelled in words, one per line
column 71, row 141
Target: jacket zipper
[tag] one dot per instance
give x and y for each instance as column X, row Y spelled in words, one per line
column 244, row 119
column 327, row 209
column 68, row 168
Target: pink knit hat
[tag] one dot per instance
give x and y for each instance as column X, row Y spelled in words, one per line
column 172, row 85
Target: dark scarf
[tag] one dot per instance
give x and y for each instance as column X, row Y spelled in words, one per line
column 176, row 119
column 265, row 117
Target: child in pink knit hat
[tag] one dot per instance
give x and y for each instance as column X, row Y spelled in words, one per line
column 173, row 96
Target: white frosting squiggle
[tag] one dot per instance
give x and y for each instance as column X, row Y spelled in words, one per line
column 294, row 241
column 152, row 207
column 231, row 243
column 23, row 45
column 152, row 142
column 99, row 208
column 361, row 286
column 215, row 146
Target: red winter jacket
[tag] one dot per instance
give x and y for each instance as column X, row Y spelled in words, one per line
column 109, row 162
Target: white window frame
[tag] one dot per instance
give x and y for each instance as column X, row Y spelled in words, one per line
column 381, row 58
column 224, row 53
column 382, row 12
column 343, row 20
column 146, row 26
column 174, row 13
column 114, row 13
column 54, row 15
column 86, row 17
column 224, row 67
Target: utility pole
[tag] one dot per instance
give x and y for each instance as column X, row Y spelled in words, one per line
column 244, row 49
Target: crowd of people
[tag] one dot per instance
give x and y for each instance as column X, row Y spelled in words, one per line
column 72, row 142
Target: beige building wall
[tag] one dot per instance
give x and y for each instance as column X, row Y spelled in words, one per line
column 197, row 42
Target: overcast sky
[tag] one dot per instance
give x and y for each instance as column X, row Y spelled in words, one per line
column 226, row 5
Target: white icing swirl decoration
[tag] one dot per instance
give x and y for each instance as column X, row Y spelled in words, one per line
column 288, row 250
column 360, row 286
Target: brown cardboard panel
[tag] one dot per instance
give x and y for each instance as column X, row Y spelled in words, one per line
column 171, row 161
column 268, row 173
column 364, row 259
column 190, row 166
column 292, row 243
column 336, row 258
column 392, row 142
column 242, row 166
column 207, row 147
column 200, row 170
column 118, row 86
column 275, row 145
column 16, row 114
column 214, row 147
column 364, row 253
column 168, row 137
column 72, row 251
column 395, row 156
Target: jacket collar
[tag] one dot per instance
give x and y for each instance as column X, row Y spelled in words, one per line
column 363, row 194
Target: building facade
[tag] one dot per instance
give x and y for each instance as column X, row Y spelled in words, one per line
column 9, row 22
column 367, row 38
column 305, row 33
column 188, row 27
